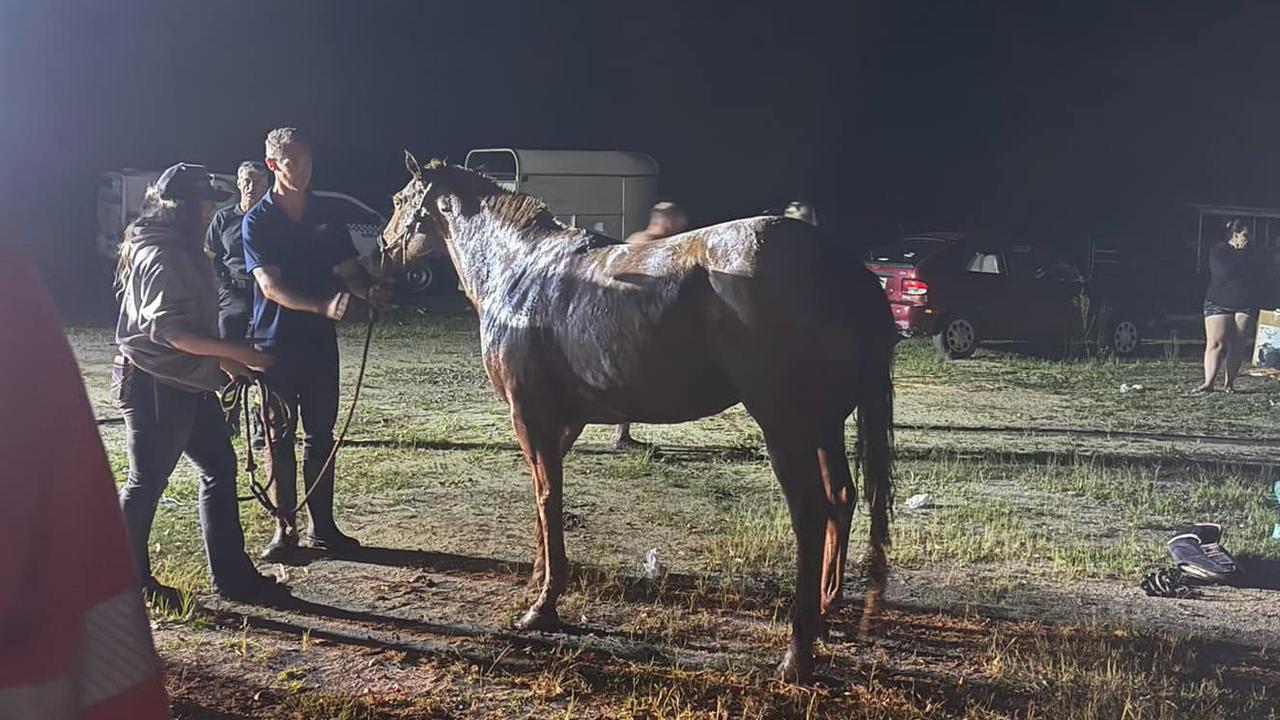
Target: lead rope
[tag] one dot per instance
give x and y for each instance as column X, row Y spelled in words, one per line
column 277, row 415
column 273, row 405
column 351, row 411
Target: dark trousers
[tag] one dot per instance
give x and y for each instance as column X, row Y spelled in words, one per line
column 307, row 383
column 161, row 424
column 235, row 305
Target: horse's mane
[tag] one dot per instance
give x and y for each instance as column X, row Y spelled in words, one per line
column 480, row 191
column 522, row 212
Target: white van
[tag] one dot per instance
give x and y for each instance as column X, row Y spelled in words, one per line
column 606, row 191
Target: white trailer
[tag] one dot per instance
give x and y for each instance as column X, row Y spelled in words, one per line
column 605, row 191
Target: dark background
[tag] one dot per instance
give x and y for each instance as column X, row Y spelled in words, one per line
column 1052, row 120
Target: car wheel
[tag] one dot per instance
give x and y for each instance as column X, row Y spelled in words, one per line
column 956, row 338
column 1123, row 337
column 419, row 278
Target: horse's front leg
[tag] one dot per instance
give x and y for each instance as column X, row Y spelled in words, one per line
column 567, row 438
column 543, row 444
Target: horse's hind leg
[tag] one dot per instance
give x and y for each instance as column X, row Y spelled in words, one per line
column 796, row 466
column 842, row 496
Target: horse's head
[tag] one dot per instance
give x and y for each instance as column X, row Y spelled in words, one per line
column 420, row 220
column 449, row 210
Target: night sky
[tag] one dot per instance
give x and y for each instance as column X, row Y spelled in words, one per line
column 1053, row 120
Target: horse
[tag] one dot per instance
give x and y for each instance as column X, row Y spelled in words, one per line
column 578, row 328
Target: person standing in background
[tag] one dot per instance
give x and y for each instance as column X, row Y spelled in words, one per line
column 665, row 219
column 225, row 242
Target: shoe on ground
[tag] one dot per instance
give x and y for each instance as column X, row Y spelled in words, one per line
column 1167, row 583
column 1207, row 563
column 1209, row 533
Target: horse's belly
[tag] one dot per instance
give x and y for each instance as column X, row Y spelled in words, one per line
column 661, row 399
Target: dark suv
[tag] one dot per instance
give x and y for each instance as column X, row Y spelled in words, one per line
column 961, row 290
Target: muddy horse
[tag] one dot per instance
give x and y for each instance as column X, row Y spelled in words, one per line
column 577, row 328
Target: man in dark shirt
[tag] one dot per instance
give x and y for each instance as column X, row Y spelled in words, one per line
column 306, row 270
column 665, row 219
column 226, row 243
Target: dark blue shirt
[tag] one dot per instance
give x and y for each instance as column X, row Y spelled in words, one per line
column 306, row 253
column 225, row 242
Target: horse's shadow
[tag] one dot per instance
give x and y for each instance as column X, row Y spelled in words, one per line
column 1257, row 573
column 413, row 559
column 668, row 589
column 663, row 452
column 634, row 645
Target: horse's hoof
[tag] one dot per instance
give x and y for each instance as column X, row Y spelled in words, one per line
column 795, row 668
column 540, row 620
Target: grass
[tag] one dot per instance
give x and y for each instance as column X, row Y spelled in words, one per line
column 1001, row 388
column 443, row 475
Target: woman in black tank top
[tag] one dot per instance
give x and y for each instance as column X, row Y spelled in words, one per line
column 1230, row 306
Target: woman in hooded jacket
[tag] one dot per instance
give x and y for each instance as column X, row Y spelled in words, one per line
column 170, row 365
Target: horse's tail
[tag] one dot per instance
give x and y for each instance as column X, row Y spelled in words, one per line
column 875, row 455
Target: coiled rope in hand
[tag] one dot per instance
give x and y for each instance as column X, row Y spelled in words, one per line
column 277, row 419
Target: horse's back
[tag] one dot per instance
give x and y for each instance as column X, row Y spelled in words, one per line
column 796, row 314
column 677, row 322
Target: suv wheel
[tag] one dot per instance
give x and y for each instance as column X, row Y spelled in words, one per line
column 1123, row 337
column 956, row 339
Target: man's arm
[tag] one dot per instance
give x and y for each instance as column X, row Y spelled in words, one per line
column 274, row 289
column 262, row 262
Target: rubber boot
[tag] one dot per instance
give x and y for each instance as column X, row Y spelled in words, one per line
column 323, row 533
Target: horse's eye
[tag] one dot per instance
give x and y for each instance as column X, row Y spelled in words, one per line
column 396, row 200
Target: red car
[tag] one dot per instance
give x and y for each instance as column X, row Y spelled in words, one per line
column 961, row 290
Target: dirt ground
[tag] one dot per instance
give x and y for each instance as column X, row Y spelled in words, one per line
column 1014, row 592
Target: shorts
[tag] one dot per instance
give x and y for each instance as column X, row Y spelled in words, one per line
column 1211, row 309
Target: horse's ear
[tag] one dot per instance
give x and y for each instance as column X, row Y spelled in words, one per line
column 411, row 164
